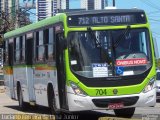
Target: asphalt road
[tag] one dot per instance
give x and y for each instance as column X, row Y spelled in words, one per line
column 10, row 107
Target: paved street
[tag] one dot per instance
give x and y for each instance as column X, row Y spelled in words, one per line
column 8, row 106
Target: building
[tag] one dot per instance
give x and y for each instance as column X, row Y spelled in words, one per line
column 41, row 9
column 27, row 4
column 93, row 4
column 47, row 8
column 64, row 4
column 4, row 6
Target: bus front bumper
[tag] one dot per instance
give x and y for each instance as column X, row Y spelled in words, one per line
column 82, row 103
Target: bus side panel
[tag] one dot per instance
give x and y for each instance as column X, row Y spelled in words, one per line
column 54, row 80
column 40, row 87
column 9, row 86
column 30, row 84
column 20, row 75
column 8, row 82
column 43, row 75
column 55, row 83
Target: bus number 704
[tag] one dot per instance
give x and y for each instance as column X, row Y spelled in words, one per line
column 101, row 92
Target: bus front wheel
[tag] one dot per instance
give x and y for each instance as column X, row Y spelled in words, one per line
column 125, row 112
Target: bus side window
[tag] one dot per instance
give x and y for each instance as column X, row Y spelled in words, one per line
column 23, row 48
column 40, row 46
column 17, row 50
column 46, row 39
column 10, row 51
column 50, row 45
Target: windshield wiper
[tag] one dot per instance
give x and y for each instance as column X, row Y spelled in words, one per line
column 122, row 36
column 103, row 54
column 115, row 44
column 97, row 43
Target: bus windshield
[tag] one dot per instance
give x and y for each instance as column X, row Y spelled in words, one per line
column 109, row 52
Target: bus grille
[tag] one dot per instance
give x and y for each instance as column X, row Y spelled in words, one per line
column 127, row 101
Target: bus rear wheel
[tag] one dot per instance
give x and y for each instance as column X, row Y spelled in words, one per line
column 22, row 105
column 52, row 101
column 126, row 112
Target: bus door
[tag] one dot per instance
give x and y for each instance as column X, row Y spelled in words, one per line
column 10, row 60
column 30, row 69
column 61, row 78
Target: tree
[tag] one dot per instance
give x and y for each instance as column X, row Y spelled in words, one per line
column 10, row 21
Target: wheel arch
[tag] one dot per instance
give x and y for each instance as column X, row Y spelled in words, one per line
column 49, row 89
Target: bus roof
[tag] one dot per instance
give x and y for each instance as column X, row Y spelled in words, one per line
column 34, row 26
column 60, row 17
column 84, row 12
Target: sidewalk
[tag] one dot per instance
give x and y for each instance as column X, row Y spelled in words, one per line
column 2, row 89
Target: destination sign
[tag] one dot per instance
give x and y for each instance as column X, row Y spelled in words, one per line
column 103, row 19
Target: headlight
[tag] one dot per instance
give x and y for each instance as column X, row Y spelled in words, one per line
column 77, row 90
column 150, row 85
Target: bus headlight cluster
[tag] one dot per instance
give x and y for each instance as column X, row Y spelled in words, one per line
column 77, row 90
column 150, row 85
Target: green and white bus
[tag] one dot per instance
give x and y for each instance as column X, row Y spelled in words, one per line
column 87, row 60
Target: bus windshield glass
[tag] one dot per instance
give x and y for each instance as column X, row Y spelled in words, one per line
column 108, row 53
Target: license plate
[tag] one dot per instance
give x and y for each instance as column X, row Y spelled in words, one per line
column 115, row 105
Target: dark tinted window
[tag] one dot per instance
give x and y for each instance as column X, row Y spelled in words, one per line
column 158, row 75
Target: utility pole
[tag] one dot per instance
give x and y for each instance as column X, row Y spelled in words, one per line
column 114, row 3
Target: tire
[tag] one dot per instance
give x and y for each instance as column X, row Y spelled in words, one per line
column 126, row 112
column 22, row 105
column 52, row 102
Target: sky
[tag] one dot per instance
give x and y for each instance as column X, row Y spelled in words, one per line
column 32, row 12
column 151, row 7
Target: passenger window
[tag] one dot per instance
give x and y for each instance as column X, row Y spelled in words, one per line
column 45, row 45
column 40, row 51
column 51, row 44
column 17, row 49
column 23, row 48
column 41, row 39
